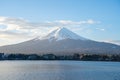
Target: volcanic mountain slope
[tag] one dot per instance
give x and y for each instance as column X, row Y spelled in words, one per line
column 61, row 41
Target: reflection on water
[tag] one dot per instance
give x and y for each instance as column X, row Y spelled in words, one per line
column 59, row 70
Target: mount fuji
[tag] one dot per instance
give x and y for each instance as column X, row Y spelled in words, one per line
column 61, row 41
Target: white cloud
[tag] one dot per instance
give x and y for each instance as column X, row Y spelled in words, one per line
column 18, row 29
column 101, row 29
column 2, row 18
column 68, row 22
column 90, row 21
column 114, row 41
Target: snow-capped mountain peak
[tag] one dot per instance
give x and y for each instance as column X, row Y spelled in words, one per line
column 62, row 33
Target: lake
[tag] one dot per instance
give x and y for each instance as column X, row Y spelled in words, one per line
column 59, row 70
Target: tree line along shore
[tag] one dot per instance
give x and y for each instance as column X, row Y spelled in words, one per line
column 75, row 56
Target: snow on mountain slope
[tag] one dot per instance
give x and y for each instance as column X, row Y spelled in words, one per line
column 61, row 34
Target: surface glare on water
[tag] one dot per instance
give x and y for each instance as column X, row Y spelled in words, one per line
column 59, row 70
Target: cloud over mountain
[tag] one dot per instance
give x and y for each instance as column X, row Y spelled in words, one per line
column 21, row 29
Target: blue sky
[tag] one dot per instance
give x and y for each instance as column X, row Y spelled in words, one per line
column 101, row 18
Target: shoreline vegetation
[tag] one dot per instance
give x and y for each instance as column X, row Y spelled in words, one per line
column 75, row 56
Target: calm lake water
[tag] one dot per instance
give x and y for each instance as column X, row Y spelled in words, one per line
column 59, row 70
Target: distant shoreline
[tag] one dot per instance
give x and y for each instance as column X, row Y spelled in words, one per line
column 74, row 57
